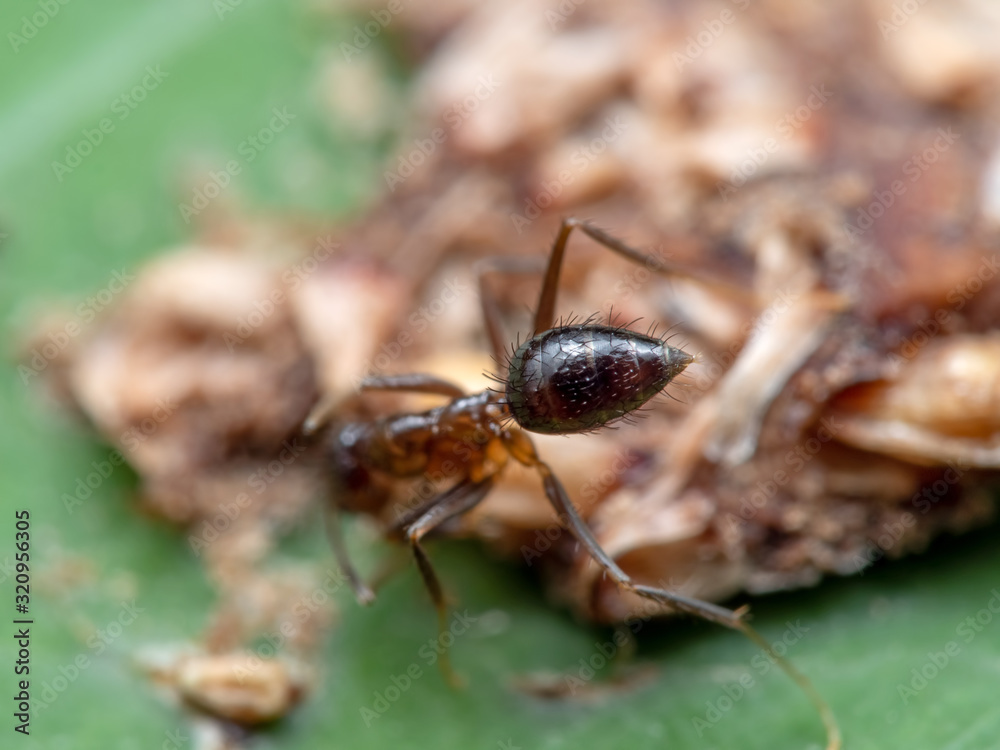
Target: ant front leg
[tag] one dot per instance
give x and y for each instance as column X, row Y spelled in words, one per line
column 459, row 499
column 414, row 383
column 545, row 312
column 323, row 411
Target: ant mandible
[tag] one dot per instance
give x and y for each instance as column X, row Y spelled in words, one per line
column 564, row 379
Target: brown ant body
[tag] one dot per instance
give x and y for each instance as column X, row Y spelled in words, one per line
column 564, row 379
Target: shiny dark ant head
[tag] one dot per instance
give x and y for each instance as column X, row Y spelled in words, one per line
column 579, row 378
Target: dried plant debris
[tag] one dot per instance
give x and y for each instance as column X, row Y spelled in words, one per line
column 241, row 688
column 834, row 193
column 843, row 407
column 200, row 375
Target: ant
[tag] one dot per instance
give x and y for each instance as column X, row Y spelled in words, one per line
column 565, row 378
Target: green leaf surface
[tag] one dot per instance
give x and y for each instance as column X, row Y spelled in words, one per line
column 862, row 640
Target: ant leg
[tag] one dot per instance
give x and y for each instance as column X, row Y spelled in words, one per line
column 335, row 534
column 488, row 301
column 460, row 498
column 407, row 517
column 523, row 451
column 320, row 414
column 578, row 527
column 323, row 410
column 413, row 383
column 545, row 312
column 388, row 566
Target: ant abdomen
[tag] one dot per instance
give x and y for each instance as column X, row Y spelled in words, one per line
column 580, row 378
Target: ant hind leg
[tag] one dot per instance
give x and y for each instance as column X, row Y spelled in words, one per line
column 335, row 534
column 457, row 500
column 705, row 610
column 578, row 527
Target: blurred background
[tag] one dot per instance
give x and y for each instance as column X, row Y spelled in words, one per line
column 421, row 138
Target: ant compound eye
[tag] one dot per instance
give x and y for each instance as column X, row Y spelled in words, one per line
column 580, row 378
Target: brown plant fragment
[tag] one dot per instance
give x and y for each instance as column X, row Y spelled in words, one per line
column 834, row 191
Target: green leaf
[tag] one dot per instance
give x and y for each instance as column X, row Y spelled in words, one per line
column 865, row 641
